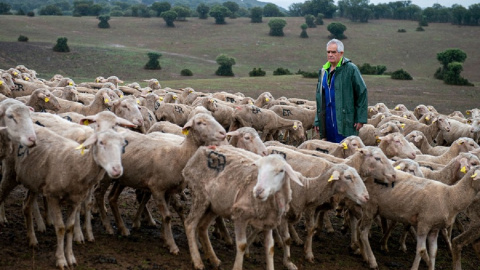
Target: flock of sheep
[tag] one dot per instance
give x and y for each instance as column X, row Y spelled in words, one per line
column 419, row 168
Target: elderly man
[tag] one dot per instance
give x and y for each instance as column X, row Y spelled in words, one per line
column 341, row 96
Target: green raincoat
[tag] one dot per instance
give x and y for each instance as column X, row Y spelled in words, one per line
column 350, row 98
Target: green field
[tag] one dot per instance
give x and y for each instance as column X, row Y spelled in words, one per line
column 194, row 44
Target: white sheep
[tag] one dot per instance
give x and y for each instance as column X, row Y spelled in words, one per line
column 249, row 189
column 460, row 145
column 6, row 84
column 420, row 202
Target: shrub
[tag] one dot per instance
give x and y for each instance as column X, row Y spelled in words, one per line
column 104, row 21
column 257, row 72
column 153, row 62
column 452, row 75
column 202, row 10
column 401, row 75
column 401, row 30
column 310, row 21
column 367, row 69
column 337, row 29
column 61, row 45
column 226, row 63
column 169, row 16
column 420, row 29
column 282, row 71
column 276, row 27
column 307, row 74
column 423, row 21
column 256, row 15
column 22, row 38
column 319, row 19
column 219, row 13
column 304, row 31
column 31, row 14
column 186, row 72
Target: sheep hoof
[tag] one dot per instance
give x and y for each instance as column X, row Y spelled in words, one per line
column 291, row 266
column 298, row 242
column 309, row 258
column 62, row 264
column 174, row 250
column 33, row 243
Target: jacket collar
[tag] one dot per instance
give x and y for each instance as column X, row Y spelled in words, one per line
column 340, row 63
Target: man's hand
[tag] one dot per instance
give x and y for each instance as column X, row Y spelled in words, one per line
column 358, row 126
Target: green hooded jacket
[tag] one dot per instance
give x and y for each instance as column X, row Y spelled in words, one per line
column 351, row 102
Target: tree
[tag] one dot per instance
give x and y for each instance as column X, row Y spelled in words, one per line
column 233, row 7
column 160, row 7
column 446, row 58
column 355, row 10
column 50, row 10
column 4, row 8
column 276, row 27
column 226, row 63
column 304, row 31
column 61, row 45
column 327, row 7
column 319, row 19
column 202, row 11
column 458, row 14
column 182, row 12
column 474, row 11
column 271, row 10
column 153, row 62
column 452, row 75
column 104, row 21
column 296, row 10
column 169, row 17
column 219, row 13
column 256, row 15
column 337, row 29
column 310, row 21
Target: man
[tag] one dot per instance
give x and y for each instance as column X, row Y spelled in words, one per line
column 341, row 96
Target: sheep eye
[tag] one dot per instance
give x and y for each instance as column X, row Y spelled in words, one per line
column 281, row 171
column 9, row 116
column 377, row 158
column 348, row 177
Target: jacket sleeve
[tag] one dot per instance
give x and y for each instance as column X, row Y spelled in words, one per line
column 360, row 97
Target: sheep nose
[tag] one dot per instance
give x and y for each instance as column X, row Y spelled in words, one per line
column 258, row 192
column 414, row 156
column 366, row 198
column 264, row 153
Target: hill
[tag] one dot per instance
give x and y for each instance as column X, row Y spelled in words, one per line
column 194, row 44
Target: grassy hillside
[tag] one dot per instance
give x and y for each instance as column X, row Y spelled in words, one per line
column 194, row 44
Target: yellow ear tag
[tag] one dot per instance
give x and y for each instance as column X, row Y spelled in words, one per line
column 267, row 99
column 397, row 108
column 1, row 82
column 295, row 127
column 138, row 101
column 427, row 118
column 185, row 132
column 156, row 82
column 398, row 167
column 70, row 83
column 468, row 112
column 106, row 100
column 81, row 148
column 47, row 99
column 405, row 116
column 26, row 78
column 250, row 102
column 371, row 109
column 474, row 175
column 460, row 142
column 464, row 169
column 121, row 96
column 97, row 80
column 330, row 179
column 383, row 117
column 402, row 125
column 86, row 122
column 15, row 73
column 160, row 98
column 345, row 146
column 175, row 97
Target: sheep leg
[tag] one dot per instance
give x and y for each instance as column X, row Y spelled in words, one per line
column 447, row 236
column 310, row 223
column 8, row 182
column 283, row 228
column 365, row 248
column 203, row 225
column 241, row 242
column 421, row 252
column 3, row 218
column 432, row 248
column 476, row 247
column 269, row 249
column 327, row 222
column 199, row 206
column 162, row 204
column 250, row 239
column 54, row 206
column 294, row 235
column 142, row 198
column 27, row 212
column 99, row 192
column 113, row 200
column 38, row 217
column 407, row 228
column 222, row 232
column 465, row 238
column 354, row 233
column 69, row 233
column 77, row 230
column 48, row 214
column 88, row 216
column 386, row 235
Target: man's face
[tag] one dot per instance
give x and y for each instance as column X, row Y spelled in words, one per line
column 332, row 55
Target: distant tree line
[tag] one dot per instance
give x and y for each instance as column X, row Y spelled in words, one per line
column 355, row 10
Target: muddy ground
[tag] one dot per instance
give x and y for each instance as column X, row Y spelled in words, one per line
column 144, row 249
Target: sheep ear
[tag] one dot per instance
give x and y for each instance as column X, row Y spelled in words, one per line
column 125, row 123
column 469, row 121
column 400, row 166
column 91, row 140
column 335, row 176
column 292, row 174
column 233, row 133
column 187, row 126
column 476, row 175
column 418, row 138
column 460, row 142
column 295, row 126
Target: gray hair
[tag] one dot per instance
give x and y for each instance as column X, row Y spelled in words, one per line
column 340, row 47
